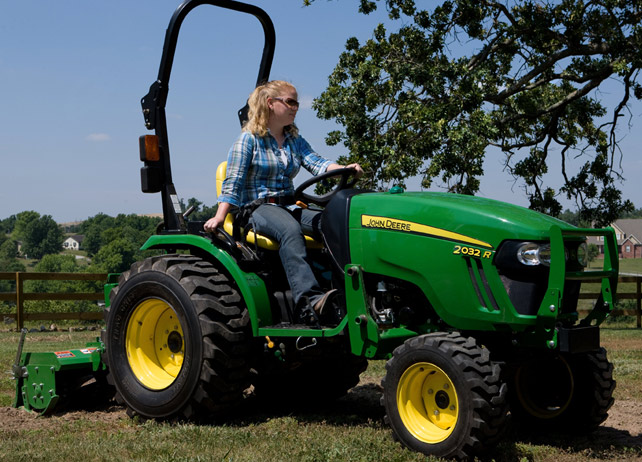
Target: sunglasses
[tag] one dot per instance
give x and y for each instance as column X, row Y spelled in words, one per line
column 289, row 102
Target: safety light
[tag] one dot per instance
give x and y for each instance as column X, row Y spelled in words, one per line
column 148, row 146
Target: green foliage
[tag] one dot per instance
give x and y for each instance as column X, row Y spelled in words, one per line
column 9, row 265
column 7, row 225
column 8, row 248
column 637, row 213
column 455, row 79
column 116, row 256
column 593, row 252
column 58, row 264
column 23, row 219
column 114, row 243
column 40, row 235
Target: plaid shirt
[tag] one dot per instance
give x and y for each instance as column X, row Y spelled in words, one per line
column 255, row 169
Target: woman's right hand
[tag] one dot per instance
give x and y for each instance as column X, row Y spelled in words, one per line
column 211, row 224
column 218, row 219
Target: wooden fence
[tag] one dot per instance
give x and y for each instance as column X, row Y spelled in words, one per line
column 19, row 296
column 637, row 295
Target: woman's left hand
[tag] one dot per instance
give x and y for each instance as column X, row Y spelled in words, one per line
column 357, row 168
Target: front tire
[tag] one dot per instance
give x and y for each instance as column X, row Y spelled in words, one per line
column 444, row 397
column 177, row 339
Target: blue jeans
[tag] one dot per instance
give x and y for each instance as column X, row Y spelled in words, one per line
column 287, row 228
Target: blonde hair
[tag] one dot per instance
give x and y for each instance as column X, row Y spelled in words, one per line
column 259, row 112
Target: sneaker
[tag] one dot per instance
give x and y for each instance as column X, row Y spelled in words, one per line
column 305, row 314
column 320, row 303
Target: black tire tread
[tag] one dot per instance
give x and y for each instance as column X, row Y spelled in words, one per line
column 487, row 389
column 225, row 329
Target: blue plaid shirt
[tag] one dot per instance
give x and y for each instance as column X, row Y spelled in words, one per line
column 255, row 169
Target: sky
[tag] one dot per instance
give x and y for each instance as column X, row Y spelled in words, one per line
column 72, row 74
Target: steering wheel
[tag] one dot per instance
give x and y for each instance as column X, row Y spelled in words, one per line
column 344, row 173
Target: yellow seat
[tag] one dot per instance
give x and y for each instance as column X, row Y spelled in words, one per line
column 261, row 240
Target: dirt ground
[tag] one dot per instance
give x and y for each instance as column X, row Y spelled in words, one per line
column 622, row 428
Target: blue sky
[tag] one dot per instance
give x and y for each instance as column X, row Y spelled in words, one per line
column 72, row 74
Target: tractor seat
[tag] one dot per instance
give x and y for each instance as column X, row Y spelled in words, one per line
column 253, row 238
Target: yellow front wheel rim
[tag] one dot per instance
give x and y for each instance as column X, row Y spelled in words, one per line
column 154, row 343
column 427, row 403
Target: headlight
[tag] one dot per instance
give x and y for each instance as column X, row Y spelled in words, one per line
column 533, row 254
column 582, row 254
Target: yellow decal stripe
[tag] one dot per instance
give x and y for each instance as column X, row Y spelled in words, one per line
column 370, row 221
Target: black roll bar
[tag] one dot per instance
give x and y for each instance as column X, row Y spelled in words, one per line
column 153, row 104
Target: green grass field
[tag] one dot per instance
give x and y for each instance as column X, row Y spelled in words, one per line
column 351, row 430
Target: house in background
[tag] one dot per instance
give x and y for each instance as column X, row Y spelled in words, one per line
column 73, row 242
column 628, row 232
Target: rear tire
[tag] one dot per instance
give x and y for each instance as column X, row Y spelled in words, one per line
column 444, row 397
column 177, row 339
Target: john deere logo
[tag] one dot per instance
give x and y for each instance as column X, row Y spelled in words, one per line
column 370, row 221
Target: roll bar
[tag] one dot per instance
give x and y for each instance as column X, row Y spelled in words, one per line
column 156, row 175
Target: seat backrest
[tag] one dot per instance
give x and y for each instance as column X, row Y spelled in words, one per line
column 221, row 172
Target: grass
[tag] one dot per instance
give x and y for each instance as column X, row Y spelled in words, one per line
column 351, row 430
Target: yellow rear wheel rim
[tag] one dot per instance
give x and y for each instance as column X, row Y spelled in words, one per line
column 427, row 403
column 154, row 343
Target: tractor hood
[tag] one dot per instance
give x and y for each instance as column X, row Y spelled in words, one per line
column 454, row 217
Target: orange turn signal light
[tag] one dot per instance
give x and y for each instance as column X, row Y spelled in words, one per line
column 148, row 145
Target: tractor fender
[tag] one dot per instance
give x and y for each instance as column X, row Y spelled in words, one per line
column 251, row 286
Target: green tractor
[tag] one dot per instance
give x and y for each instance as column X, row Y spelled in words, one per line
column 472, row 302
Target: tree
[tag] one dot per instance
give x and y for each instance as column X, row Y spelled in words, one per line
column 468, row 75
column 637, row 213
column 116, row 257
column 8, row 250
column 593, row 252
column 102, row 229
column 41, row 236
column 24, row 219
column 92, row 229
column 7, row 225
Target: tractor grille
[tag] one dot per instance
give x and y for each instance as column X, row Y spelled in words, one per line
column 480, row 284
column 527, row 295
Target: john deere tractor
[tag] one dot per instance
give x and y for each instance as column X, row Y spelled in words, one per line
column 472, row 302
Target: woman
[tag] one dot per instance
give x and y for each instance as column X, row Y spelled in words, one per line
column 262, row 164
